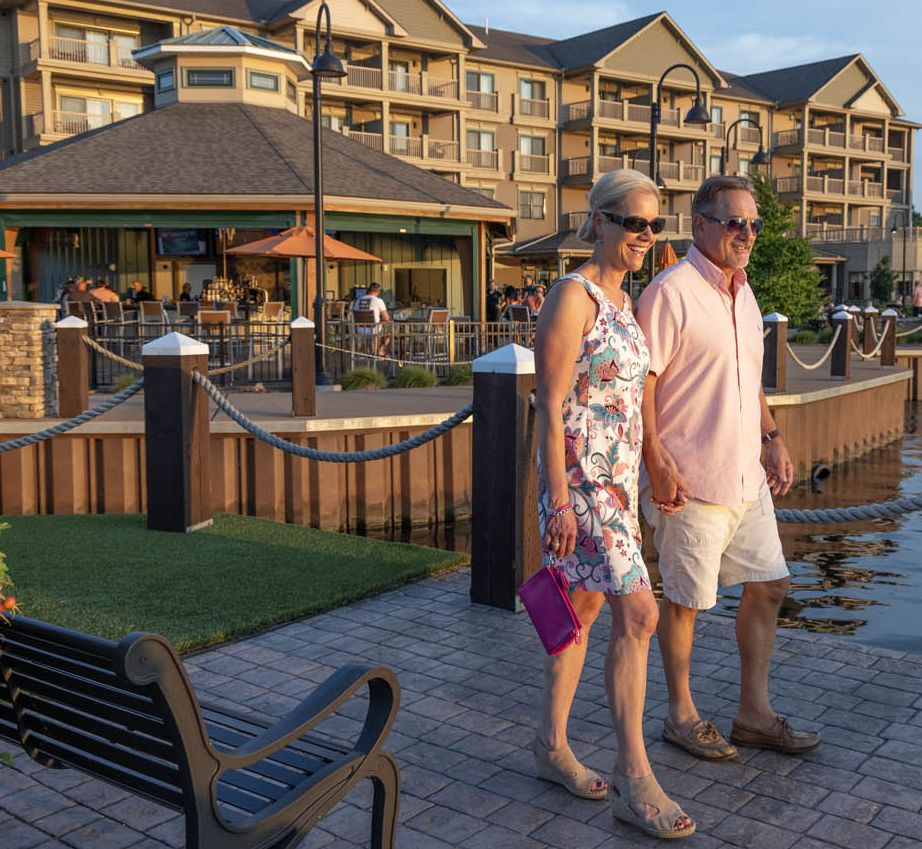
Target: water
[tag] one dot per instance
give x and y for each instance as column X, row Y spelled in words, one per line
column 860, row 579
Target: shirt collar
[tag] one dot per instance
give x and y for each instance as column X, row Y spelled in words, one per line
column 712, row 273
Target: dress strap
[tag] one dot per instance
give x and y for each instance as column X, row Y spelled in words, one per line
column 594, row 292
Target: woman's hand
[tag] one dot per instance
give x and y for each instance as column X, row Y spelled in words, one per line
column 670, row 492
column 560, row 534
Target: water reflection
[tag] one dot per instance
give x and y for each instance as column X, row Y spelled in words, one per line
column 860, row 579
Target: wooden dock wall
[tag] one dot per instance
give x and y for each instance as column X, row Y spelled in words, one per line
column 103, row 472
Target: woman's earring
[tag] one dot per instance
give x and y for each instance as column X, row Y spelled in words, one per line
column 599, row 238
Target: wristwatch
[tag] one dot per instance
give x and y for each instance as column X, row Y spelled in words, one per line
column 772, row 434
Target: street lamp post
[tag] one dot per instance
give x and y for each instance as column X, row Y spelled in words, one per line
column 325, row 66
column 698, row 114
column 894, row 230
column 761, row 157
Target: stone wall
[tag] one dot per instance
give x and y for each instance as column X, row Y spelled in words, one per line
column 28, row 360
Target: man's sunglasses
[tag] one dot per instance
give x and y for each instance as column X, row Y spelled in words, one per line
column 737, row 225
column 634, row 223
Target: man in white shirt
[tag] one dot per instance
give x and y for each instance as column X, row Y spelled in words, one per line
column 372, row 302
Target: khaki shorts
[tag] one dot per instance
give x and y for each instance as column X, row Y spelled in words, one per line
column 709, row 545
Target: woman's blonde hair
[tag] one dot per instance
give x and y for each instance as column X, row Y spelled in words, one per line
column 610, row 191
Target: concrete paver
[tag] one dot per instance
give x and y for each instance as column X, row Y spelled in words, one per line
column 471, row 679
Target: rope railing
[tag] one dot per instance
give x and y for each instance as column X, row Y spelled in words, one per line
column 826, row 356
column 859, row 513
column 76, row 421
column 223, row 404
column 870, row 355
column 916, row 329
column 398, row 360
column 122, row 361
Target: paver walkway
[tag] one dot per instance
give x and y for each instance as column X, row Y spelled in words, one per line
column 471, row 679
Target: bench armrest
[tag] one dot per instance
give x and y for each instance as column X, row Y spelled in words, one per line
column 383, row 701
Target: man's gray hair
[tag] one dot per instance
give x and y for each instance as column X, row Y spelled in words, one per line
column 710, row 190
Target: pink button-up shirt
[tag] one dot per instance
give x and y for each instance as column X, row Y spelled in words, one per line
column 706, row 350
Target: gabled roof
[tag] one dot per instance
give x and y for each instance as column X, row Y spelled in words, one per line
column 256, row 11
column 263, row 151
column 305, row 10
column 738, row 89
column 514, row 48
column 590, row 47
column 227, row 36
column 407, row 14
column 799, row 83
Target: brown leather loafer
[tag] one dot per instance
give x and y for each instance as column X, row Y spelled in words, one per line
column 781, row 738
column 702, row 740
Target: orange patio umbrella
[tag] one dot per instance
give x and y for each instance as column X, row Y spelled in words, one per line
column 667, row 257
column 299, row 242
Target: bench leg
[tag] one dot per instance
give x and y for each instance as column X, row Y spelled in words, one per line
column 386, row 779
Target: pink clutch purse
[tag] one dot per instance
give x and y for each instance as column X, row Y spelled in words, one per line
column 547, row 600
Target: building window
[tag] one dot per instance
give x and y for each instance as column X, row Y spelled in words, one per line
column 717, row 114
column 749, row 117
column 166, row 80
column 714, row 164
column 531, row 205
column 210, row 78
column 292, row 91
column 532, row 89
column 481, row 81
column 263, row 81
column 744, row 167
column 481, row 140
column 487, row 193
column 532, row 145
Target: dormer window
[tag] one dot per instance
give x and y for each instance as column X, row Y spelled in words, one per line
column 166, row 80
column 262, row 81
column 210, row 78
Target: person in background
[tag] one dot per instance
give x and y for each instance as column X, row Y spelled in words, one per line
column 373, row 302
column 67, row 290
column 137, row 293
column 102, row 292
column 81, row 290
column 535, row 299
column 186, row 294
column 510, row 299
column 917, row 300
column 494, row 302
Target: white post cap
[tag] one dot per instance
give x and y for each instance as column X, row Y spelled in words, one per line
column 841, row 307
column 174, row 345
column 887, row 313
column 71, row 321
column 843, row 314
column 510, row 359
column 870, row 310
column 854, row 308
column 774, row 316
column 301, row 322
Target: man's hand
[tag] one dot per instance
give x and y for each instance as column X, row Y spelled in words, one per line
column 779, row 470
column 670, row 492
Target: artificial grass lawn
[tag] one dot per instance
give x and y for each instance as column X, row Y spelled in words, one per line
column 108, row 575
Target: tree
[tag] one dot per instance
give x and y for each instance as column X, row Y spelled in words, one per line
column 781, row 270
column 916, row 218
column 882, row 280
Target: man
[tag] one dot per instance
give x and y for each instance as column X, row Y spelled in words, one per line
column 102, row 292
column 373, row 302
column 703, row 488
column 494, row 302
column 917, row 300
column 137, row 293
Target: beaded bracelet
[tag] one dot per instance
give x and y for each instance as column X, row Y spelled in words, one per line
column 554, row 512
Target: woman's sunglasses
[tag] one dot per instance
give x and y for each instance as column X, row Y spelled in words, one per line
column 737, row 225
column 634, row 223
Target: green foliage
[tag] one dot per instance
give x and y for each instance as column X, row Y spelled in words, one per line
column 882, row 279
column 124, row 380
column 804, row 337
column 5, row 583
column 363, row 378
column 460, row 375
column 824, row 336
column 781, row 269
column 411, row 377
column 916, row 218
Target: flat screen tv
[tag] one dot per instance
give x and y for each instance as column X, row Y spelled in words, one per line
column 181, row 243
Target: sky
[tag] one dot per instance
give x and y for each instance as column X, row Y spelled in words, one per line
column 748, row 37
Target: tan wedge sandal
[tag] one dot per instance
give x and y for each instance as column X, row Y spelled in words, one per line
column 562, row 767
column 646, row 791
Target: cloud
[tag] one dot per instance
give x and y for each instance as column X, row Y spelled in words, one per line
column 751, row 52
column 546, row 18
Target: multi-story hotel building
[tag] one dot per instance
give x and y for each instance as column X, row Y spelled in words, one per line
column 529, row 121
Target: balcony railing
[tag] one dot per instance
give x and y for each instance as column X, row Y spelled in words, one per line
column 372, row 140
column 483, row 159
column 638, row 112
column 485, row 101
column 826, row 185
column 578, row 111
column 360, row 76
column 611, row 109
column 28, row 52
column 570, row 222
column 869, row 143
column 533, row 163
column 33, row 125
column 405, row 146
column 717, row 129
column 787, row 185
column 422, row 84
column 578, row 166
column 83, row 52
column 830, row 231
column 865, row 188
column 447, row 151
column 896, row 196
column 897, row 154
column 785, row 138
column 750, row 135
column 533, row 108
column 404, row 83
column 72, row 123
column 826, row 137
column 410, row 147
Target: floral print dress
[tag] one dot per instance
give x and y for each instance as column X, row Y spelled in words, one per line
column 602, row 437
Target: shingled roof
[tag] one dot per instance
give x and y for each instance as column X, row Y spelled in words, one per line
column 582, row 50
column 799, row 83
column 514, row 47
column 737, row 87
column 227, row 36
column 257, row 11
column 223, row 149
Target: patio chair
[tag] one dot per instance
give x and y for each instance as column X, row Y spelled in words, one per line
column 437, row 330
column 186, row 311
column 214, row 331
column 152, row 312
column 80, row 309
column 522, row 325
column 272, row 310
column 229, row 307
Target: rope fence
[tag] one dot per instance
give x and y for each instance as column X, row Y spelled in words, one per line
column 902, row 333
column 870, row 355
column 223, row 404
column 860, row 513
column 76, row 421
column 401, row 362
column 826, row 356
column 122, row 361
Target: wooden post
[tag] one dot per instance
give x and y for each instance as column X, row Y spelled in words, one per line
column 841, row 366
column 73, row 367
column 870, row 337
column 775, row 357
column 888, row 326
column 505, row 543
column 303, row 368
column 176, row 434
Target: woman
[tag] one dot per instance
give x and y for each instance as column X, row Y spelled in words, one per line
column 591, row 362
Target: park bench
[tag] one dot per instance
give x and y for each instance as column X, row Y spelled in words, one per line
column 126, row 713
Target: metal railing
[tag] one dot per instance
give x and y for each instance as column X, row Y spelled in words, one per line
column 534, row 163
column 483, row 159
column 578, row 166
column 784, row 138
column 448, row 151
column 85, row 52
column 405, row 146
column 72, row 123
column 534, row 108
column 866, row 142
column 485, row 101
column 373, row 140
column 579, row 111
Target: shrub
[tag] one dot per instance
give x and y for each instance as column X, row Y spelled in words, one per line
column 363, row 378
column 824, row 337
column 460, row 375
column 124, row 380
column 7, row 608
column 804, row 337
column 410, row 377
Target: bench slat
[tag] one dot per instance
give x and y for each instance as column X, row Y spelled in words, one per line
column 75, row 644
column 38, row 651
column 285, row 761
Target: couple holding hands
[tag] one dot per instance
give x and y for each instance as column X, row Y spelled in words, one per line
column 674, row 382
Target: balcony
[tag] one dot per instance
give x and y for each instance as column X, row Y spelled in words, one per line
column 898, row 154
column 77, row 51
column 638, row 114
column 570, row 221
column 532, row 163
column 485, row 101
column 488, row 159
column 787, row 138
column 897, row 196
column 867, row 144
column 865, row 189
column 420, row 148
column 359, row 76
column 74, row 123
column 422, row 85
column 826, row 185
column 787, row 185
column 581, row 170
column 529, row 108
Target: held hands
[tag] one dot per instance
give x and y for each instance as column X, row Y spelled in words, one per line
column 670, row 492
column 560, row 534
column 779, row 470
